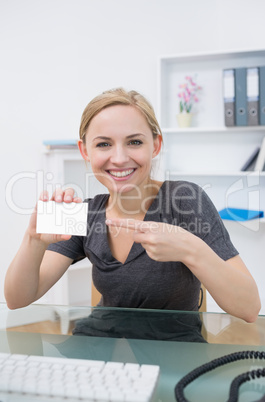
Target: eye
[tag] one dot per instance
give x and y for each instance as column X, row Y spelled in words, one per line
column 135, row 142
column 102, row 145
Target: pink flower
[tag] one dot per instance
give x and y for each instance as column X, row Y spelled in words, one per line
column 186, row 98
column 188, row 95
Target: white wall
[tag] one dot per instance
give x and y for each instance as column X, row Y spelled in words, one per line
column 58, row 54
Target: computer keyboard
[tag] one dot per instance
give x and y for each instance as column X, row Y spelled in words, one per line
column 56, row 379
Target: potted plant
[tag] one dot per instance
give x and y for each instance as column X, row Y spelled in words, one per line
column 188, row 96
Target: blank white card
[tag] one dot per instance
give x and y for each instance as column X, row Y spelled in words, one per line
column 62, row 218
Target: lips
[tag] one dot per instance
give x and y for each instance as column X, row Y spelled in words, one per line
column 121, row 173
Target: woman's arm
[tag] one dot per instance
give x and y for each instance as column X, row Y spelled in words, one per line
column 34, row 270
column 229, row 282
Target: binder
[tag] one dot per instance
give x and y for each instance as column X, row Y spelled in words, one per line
column 237, row 214
column 229, row 96
column 260, row 164
column 262, row 95
column 251, row 161
column 253, row 96
column 241, row 96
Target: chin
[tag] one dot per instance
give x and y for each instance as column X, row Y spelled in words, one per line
column 123, row 189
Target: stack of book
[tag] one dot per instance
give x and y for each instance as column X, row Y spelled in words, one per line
column 60, row 144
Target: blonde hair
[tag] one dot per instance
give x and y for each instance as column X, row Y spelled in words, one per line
column 119, row 96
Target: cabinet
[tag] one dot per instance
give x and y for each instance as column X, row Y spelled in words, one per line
column 210, row 154
column 65, row 168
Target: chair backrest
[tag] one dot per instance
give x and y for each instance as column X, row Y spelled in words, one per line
column 202, row 301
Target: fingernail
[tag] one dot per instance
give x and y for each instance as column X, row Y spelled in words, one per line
column 108, row 221
column 68, row 198
column 59, row 198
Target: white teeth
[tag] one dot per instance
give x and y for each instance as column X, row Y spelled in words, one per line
column 124, row 173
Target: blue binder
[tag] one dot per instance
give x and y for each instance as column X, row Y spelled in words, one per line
column 241, row 96
column 253, row 96
column 262, row 95
column 236, row 214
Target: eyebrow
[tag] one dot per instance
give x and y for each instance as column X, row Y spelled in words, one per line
column 101, row 137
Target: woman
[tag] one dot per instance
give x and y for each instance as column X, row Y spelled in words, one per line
column 151, row 244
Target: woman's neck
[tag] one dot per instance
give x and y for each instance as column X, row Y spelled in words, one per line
column 133, row 204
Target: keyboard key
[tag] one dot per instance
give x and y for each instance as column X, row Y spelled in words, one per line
column 38, row 378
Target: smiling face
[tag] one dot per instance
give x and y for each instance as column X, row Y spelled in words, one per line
column 120, row 146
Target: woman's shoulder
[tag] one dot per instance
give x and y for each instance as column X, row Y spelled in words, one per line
column 97, row 202
column 180, row 187
column 185, row 196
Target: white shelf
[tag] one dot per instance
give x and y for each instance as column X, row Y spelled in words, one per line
column 65, row 167
column 209, row 68
column 210, row 154
column 221, row 56
column 246, row 223
column 208, row 149
column 218, row 174
column 220, row 130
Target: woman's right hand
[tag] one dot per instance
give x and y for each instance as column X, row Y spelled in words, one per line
column 59, row 195
column 34, row 270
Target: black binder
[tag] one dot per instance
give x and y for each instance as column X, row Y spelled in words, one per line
column 229, row 96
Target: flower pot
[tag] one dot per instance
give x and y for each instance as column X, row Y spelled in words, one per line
column 184, row 119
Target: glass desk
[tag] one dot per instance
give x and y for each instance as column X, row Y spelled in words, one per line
column 177, row 341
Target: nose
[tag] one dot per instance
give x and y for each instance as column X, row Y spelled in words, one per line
column 119, row 155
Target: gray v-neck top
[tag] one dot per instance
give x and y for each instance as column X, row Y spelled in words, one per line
column 140, row 281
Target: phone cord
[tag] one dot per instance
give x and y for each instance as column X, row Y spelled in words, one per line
column 234, row 387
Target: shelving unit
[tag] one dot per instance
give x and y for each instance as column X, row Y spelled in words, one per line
column 209, row 70
column 210, row 154
column 65, row 168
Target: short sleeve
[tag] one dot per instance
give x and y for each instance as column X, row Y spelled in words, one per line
column 72, row 248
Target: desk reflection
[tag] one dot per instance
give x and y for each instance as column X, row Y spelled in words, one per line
column 133, row 324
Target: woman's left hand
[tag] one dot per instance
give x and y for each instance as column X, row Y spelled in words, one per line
column 162, row 241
